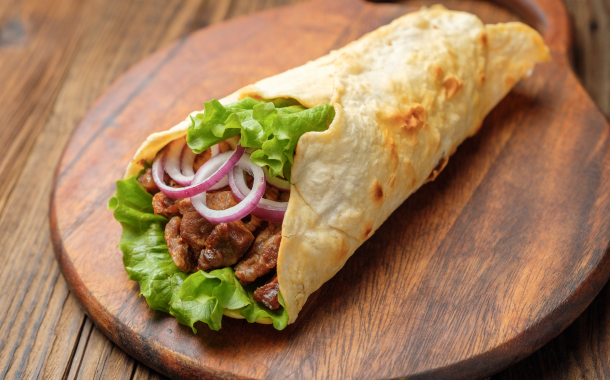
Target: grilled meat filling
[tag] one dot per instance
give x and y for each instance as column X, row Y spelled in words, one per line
column 194, row 243
column 267, row 294
column 178, row 249
column 262, row 257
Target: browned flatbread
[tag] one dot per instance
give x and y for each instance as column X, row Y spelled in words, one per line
column 405, row 96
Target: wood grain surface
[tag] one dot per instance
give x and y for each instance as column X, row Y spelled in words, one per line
column 58, row 56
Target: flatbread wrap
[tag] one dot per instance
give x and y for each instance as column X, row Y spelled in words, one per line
column 384, row 114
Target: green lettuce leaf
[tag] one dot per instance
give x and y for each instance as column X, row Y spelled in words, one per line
column 274, row 126
column 204, row 296
column 145, row 255
column 190, row 298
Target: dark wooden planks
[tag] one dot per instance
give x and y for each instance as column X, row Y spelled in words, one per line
column 46, row 37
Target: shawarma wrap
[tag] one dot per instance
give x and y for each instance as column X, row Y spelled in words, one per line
column 404, row 97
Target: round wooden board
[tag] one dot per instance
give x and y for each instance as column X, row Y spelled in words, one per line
column 471, row 274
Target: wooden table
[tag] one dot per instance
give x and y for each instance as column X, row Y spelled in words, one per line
column 56, row 58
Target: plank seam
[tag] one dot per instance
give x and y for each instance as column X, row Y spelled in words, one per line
column 43, row 357
column 38, row 323
column 133, row 371
column 76, row 340
column 84, row 348
column 100, row 372
column 13, row 317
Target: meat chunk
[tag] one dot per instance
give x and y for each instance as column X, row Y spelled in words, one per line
column 219, row 245
column 284, row 196
column 220, row 200
column 263, row 255
column 164, row 205
column 194, row 228
column 209, row 245
column 254, row 223
column 147, row 182
column 225, row 245
column 271, row 193
column 267, row 294
column 178, row 249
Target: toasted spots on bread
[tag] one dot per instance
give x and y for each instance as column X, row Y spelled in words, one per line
column 452, row 85
column 415, row 117
column 368, row 229
column 377, row 191
column 483, row 39
column 438, row 72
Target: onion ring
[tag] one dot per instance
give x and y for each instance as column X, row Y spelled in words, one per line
column 174, row 151
column 246, row 204
column 266, row 209
column 210, row 167
column 201, row 183
column 187, row 159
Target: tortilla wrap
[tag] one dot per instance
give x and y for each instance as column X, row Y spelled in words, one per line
column 405, row 95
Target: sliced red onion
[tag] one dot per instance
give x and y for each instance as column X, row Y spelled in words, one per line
column 279, row 183
column 179, row 166
column 173, row 162
column 187, row 160
column 246, row 204
column 210, row 167
column 224, row 182
column 202, row 182
column 266, row 209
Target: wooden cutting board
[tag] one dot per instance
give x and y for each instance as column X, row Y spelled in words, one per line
column 472, row 273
